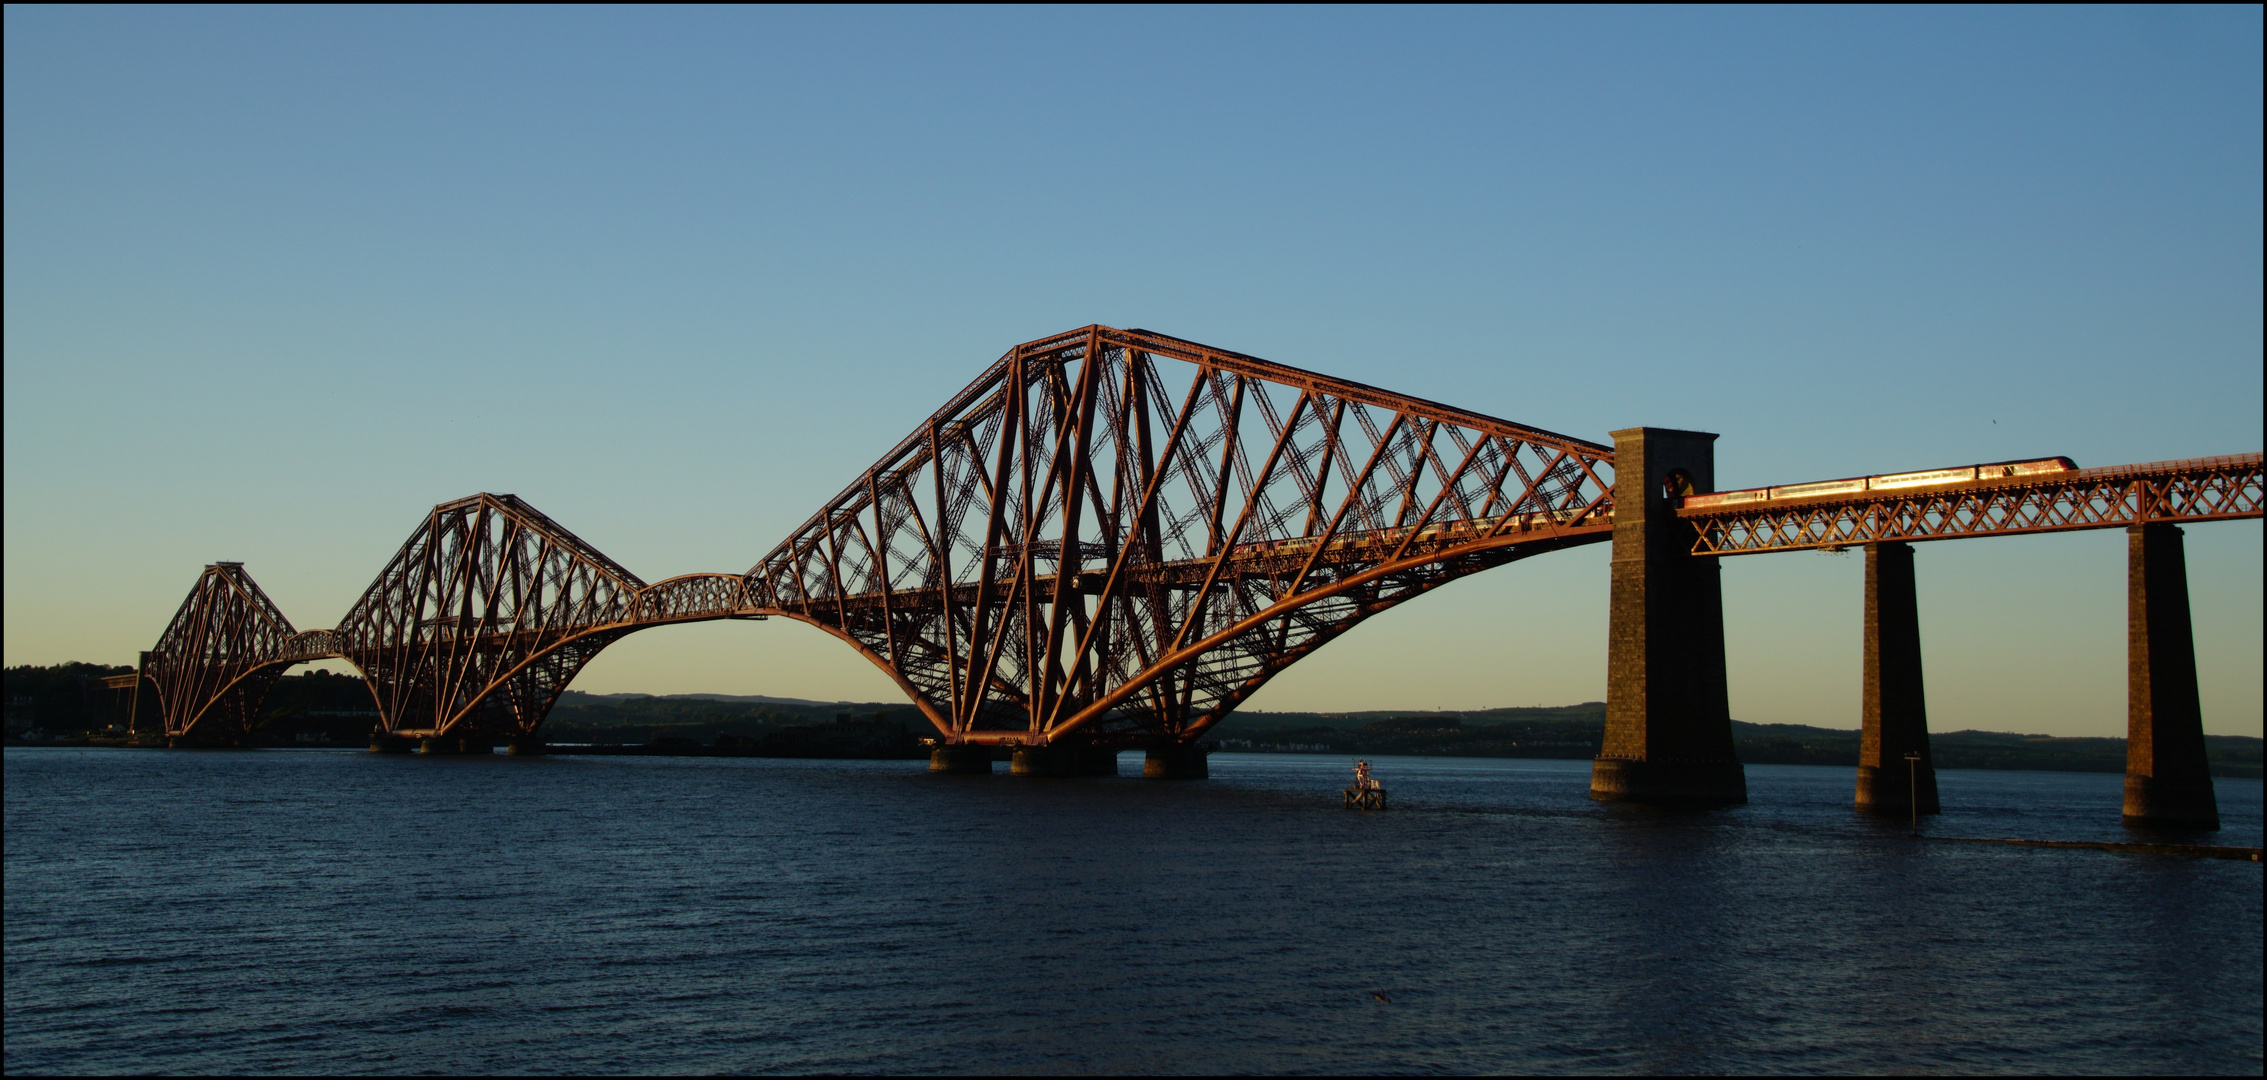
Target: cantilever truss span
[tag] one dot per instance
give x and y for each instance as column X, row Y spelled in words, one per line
column 219, row 655
column 1122, row 535
column 1110, row 535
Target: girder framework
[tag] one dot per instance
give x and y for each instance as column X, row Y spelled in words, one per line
column 483, row 617
column 229, row 644
column 1111, row 536
column 2197, row 489
column 215, row 662
column 1121, row 535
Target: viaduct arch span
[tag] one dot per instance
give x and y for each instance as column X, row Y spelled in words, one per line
column 1111, row 538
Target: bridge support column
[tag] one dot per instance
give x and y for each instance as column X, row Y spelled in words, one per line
column 1177, row 762
column 1062, row 759
column 1894, row 719
column 961, row 759
column 454, row 744
column 390, row 744
column 1044, row 761
column 528, row 746
column 1668, row 712
column 2168, row 779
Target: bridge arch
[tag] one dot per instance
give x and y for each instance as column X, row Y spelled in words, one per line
column 1112, row 535
column 1422, row 575
column 223, row 651
column 1074, row 546
column 1373, row 591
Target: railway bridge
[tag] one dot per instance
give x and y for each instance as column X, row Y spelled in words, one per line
column 1112, row 538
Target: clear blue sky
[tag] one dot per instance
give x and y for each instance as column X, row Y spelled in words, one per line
column 279, row 280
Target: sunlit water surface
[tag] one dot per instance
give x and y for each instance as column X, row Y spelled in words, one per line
column 349, row 912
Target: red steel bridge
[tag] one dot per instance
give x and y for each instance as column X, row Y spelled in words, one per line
column 1113, row 537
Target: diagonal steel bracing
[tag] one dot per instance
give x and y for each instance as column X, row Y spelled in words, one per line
column 2171, row 492
column 214, row 663
column 1120, row 535
column 1112, row 536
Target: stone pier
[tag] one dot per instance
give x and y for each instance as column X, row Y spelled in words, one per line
column 963, row 759
column 1177, row 762
column 1043, row 761
column 1064, row 759
column 1668, row 714
column 1894, row 717
column 2168, row 779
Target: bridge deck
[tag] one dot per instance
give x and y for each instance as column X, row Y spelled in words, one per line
column 2196, row 489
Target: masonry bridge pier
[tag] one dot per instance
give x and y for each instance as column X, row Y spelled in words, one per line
column 1668, row 727
column 1112, row 538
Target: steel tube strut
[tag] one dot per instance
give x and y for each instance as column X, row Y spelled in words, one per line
column 1072, row 548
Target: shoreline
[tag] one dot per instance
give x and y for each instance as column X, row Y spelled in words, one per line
column 710, row 751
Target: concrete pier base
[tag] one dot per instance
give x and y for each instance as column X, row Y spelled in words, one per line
column 391, row 744
column 1709, row 782
column 1668, row 712
column 528, row 747
column 454, row 745
column 1888, row 790
column 1893, row 709
column 2168, row 778
column 961, row 759
column 1063, row 759
column 2170, row 804
column 1044, row 761
column 1176, row 763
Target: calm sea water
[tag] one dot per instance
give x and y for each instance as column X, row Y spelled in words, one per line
column 349, row 912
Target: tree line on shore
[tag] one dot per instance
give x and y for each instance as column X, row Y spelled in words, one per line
column 1577, row 731
column 70, row 702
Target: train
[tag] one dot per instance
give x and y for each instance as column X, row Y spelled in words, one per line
column 1994, row 470
column 1461, row 530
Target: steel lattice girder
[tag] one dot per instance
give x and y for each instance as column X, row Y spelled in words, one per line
column 1124, row 534
column 1249, row 518
column 1075, row 545
column 213, row 665
column 2198, row 489
column 483, row 617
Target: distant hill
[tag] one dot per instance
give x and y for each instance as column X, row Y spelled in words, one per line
column 1542, row 731
column 758, row 699
column 1589, row 712
column 1575, row 731
column 318, row 707
column 640, row 718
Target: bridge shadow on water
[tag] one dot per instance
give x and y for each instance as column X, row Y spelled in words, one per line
column 310, row 911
